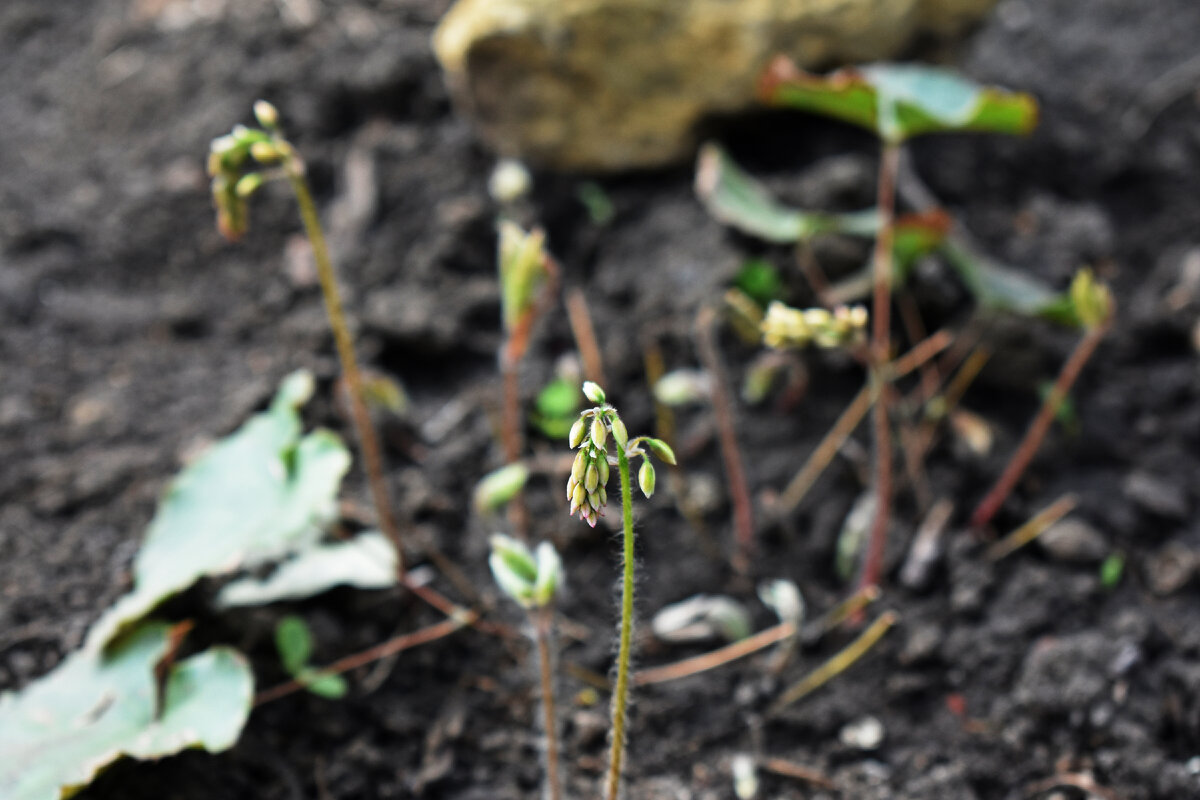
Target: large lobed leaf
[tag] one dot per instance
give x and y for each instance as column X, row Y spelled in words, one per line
column 368, row 561
column 96, row 707
column 899, row 101
column 261, row 494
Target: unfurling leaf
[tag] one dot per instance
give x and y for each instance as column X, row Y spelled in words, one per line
column 736, row 199
column 522, row 260
column 499, row 486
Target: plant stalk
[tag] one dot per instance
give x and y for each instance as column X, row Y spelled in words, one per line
column 1032, row 440
column 880, row 353
column 542, row 624
column 621, row 692
column 367, row 437
column 735, row 471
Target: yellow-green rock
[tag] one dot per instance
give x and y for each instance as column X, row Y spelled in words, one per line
column 614, row 84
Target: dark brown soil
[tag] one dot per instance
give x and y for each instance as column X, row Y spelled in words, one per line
column 132, row 334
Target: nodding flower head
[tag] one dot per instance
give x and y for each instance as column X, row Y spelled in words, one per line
column 589, row 472
column 591, row 433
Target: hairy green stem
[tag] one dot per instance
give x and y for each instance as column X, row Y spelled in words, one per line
column 621, row 693
column 367, row 437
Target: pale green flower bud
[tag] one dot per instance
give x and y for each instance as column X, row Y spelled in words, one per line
column 248, row 184
column 662, row 450
column 599, row 432
column 577, row 431
column 592, row 478
column 620, row 434
column 580, row 466
column 646, row 477
column 593, row 392
column 265, row 152
column 266, row 114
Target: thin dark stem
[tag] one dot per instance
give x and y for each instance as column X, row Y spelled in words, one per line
column 367, row 437
column 543, row 623
column 735, row 472
column 621, row 691
column 880, row 353
column 1032, row 440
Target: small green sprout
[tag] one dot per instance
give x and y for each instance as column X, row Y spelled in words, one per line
column 533, row 579
column 588, row 497
column 529, row 578
column 293, row 640
column 1111, row 570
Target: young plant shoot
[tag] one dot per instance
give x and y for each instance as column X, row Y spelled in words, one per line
column 239, row 163
column 586, row 492
column 532, row 580
column 895, row 102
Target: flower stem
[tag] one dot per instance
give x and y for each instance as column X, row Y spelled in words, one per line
column 621, row 693
column 542, row 624
column 880, row 353
column 367, row 437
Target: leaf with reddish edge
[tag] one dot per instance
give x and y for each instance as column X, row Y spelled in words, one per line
column 899, row 101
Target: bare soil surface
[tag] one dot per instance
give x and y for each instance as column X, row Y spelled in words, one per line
column 132, row 334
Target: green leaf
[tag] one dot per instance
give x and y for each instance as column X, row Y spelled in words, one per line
column 293, row 640
column 259, row 495
column 759, row 279
column 1111, row 570
column 595, row 200
column 736, row 199
column 556, row 408
column 899, row 101
column 62, row 730
column 331, row 687
column 368, row 561
column 1002, row 288
column 499, row 486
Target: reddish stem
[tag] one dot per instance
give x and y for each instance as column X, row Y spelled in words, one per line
column 1025, row 452
column 880, row 352
column 735, row 473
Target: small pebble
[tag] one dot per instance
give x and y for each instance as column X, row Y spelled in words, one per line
column 1170, row 568
column 1074, row 540
column 1156, row 495
column 864, row 733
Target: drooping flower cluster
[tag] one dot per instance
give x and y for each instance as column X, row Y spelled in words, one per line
column 784, row 326
column 229, row 158
column 590, row 471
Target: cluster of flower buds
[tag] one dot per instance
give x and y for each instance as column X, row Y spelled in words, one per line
column 227, row 160
column 1091, row 300
column 591, row 468
column 532, row 579
column 787, row 327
